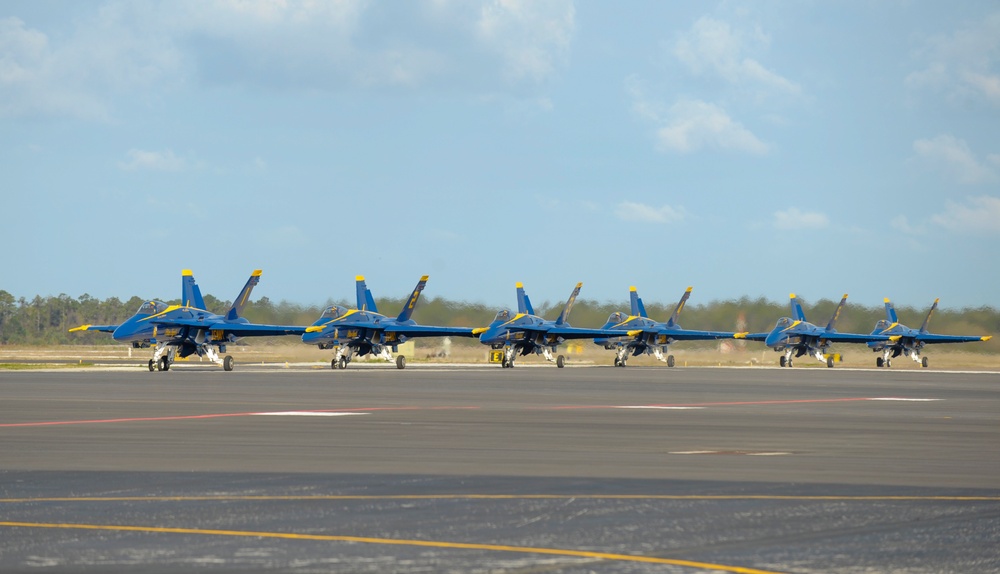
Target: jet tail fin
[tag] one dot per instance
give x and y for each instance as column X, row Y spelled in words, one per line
column 564, row 316
column 927, row 321
column 365, row 301
column 404, row 315
column 836, row 314
column 236, row 309
column 680, row 307
column 797, row 313
column 638, row 309
column 190, row 293
column 523, row 303
column 890, row 312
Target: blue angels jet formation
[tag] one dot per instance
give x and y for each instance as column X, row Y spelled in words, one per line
column 186, row 329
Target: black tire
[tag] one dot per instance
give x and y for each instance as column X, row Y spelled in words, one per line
column 617, row 362
column 829, row 362
column 333, row 364
column 152, row 367
column 670, row 360
column 164, row 364
column 923, row 362
column 227, row 363
column 400, row 362
column 342, row 363
column 560, row 361
column 782, row 361
column 879, row 362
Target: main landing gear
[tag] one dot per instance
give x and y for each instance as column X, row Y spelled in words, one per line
column 165, row 356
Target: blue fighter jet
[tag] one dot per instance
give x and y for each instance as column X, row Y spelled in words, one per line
column 364, row 330
column 655, row 337
column 795, row 335
column 910, row 341
column 188, row 329
column 525, row 332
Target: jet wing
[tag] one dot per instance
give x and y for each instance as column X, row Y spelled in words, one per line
column 430, row 331
column 690, row 335
column 237, row 329
column 854, row 337
column 751, row 336
column 579, row 333
column 932, row 338
column 101, row 328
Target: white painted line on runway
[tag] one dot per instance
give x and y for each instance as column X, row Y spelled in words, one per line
column 733, row 452
column 660, row 408
column 306, row 414
column 768, row 453
column 903, row 399
column 694, row 452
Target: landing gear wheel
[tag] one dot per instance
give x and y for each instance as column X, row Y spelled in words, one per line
column 782, row 361
column 333, row 364
column 342, row 363
column 617, row 362
column 829, row 362
column 560, row 361
column 923, row 362
column 227, row 363
column 670, row 360
column 164, row 364
column 879, row 362
column 152, row 367
column 401, row 362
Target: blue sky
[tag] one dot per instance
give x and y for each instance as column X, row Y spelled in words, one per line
column 743, row 148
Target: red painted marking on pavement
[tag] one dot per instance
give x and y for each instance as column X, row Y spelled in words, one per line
column 213, row 416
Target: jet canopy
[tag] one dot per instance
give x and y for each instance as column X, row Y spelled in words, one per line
column 333, row 312
column 503, row 315
column 617, row 317
column 783, row 322
column 152, row 308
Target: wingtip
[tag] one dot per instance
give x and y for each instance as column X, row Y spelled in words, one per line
column 80, row 328
column 987, row 337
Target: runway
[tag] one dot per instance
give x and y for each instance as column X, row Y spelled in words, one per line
column 494, row 470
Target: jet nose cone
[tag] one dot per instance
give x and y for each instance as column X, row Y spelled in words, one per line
column 774, row 338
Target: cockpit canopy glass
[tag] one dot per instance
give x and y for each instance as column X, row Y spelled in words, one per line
column 332, row 312
column 784, row 322
column 503, row 315
column 151, row 308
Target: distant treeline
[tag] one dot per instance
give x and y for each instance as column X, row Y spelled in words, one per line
column 47, row 320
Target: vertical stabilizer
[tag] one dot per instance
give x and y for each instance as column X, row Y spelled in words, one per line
column 836, row 314
column 797, row 313
column 927, row 321
column 404, row 315
column 890, row 312
column 236, row 309
column 523, row 303
column 564, row 316
column 638, row 309
column 680, row 307
column 360, row 293
column 190, row 293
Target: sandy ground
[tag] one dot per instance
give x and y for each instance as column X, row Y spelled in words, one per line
column 433, row 351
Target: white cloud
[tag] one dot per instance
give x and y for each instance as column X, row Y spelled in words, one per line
column 794, row 219
column 714, row 47
column 694, row 124
column 954, row 156
column 964, row 64
column 631, row 211
column 123, row 48
column 531, row 36
column 902, row 224
column 976, row 216
column 152, row 160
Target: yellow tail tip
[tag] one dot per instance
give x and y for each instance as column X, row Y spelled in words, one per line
column 886, row 300
column 791, row 296
column 187, row 273
column 256, row 273
column 424, row 277
column 519, row 285
column 632, row 288
column 359, row 278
